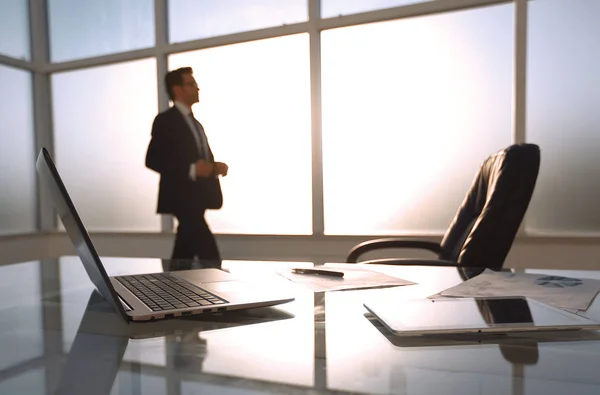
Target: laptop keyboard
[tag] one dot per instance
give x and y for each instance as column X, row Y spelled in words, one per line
column 165, row 292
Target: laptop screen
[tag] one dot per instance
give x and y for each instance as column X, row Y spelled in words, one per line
column 75, row 228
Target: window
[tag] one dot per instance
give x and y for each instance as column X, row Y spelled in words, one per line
column 80, row 29
column 332, row 8
column 410, row 109
column 18, row 200
column 191, row 19
column 562, row 115
column 14, row 29
column 255, row 108
column 102, row 121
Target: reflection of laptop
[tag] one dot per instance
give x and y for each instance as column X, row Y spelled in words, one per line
column 473, row 315
column 158, row 295
column 105, row 336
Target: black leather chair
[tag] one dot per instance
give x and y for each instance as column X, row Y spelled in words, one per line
column 484, row 227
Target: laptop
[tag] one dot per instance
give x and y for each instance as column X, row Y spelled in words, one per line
column 153, row 296
column 445, row 316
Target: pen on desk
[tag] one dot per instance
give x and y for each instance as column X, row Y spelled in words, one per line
column 320, row 272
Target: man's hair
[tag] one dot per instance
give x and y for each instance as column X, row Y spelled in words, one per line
column 175, row 77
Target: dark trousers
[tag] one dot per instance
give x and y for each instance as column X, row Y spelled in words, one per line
column 194, row 238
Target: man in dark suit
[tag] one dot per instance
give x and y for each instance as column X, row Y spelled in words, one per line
column 189, row 185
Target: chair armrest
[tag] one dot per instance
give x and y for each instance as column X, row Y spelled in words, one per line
column 411, row 262
column 376, row 244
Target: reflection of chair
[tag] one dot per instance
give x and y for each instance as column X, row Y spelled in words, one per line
column 485, row 225
column 517, row 353
column 523, row 352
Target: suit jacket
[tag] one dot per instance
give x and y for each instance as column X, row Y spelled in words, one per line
column 171, row 152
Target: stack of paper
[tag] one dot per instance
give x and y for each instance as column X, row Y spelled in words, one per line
column 568, row 293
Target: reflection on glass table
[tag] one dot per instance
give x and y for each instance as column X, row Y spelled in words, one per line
column 103, row 334
column 320, row 343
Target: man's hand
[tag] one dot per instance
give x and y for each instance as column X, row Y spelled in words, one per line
column 205, row 169
column 221, row 169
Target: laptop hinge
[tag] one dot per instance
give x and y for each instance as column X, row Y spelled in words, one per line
column 125, row 305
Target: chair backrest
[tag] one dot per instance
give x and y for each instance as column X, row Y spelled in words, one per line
column 486, row 223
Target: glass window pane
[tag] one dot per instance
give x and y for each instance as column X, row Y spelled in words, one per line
column 18, row 200
column 80, row 29
column 192, row 19
column 331, row 8
column 14, row 29
column 255, row 108
column 21, row 312
column 562, row 114
column 410, row 110
column 102, row 121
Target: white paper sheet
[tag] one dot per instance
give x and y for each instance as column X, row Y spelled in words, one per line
column 568, row 293
column 354, row 278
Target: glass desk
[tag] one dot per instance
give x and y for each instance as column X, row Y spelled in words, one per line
column 58, row 336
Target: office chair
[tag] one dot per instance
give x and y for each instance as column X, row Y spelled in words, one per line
column 485, row 225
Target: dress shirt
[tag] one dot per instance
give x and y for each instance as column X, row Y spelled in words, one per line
column 194, row 129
